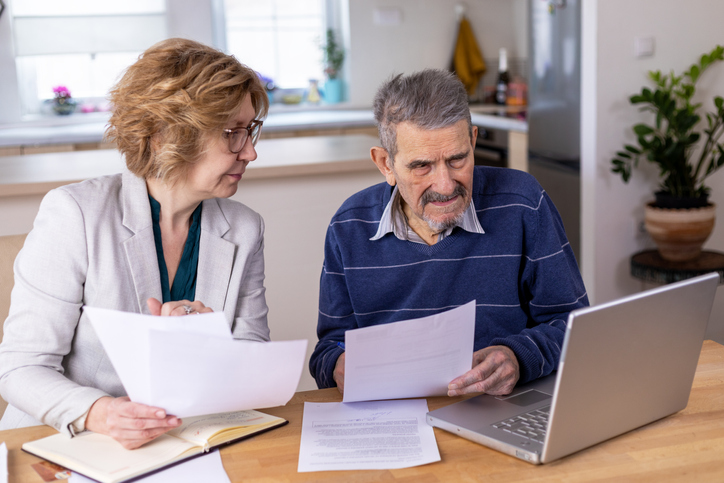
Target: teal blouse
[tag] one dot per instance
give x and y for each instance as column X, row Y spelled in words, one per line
column 184, row 284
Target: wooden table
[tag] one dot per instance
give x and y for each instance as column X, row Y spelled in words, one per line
column 687, row 446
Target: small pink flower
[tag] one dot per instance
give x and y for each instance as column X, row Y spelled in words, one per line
column 61, row 91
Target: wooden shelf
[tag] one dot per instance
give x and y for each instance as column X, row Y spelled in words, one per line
column 650, row 267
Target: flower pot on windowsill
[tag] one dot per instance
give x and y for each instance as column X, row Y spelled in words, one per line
column 679, row 233
column 333, row 91
column 64, row 108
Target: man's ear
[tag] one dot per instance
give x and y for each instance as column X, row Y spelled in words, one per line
column 474, row 136
column 381, row 158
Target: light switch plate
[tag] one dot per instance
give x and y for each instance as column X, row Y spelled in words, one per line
column 387, row 16
column 644, row 46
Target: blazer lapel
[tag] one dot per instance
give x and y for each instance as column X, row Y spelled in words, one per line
column 140, row 248
column 216, row 258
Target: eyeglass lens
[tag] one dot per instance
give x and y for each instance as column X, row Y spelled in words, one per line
column 237, row 137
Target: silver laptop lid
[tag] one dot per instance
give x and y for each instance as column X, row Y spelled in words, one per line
column 627, row 363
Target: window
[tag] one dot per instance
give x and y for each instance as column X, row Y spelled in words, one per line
column 81, row 44
column 281, row 39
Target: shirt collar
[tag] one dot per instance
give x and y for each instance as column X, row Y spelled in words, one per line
column 394, row 221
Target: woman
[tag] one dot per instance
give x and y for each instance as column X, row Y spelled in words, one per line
column 161, row 238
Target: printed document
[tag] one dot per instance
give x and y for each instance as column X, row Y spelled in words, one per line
column 3, row 463
column 375, row 435
column 411, row 358
column 191, row 365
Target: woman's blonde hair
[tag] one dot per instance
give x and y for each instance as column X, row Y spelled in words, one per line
column 172, row 100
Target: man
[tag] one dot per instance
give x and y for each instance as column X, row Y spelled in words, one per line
column 440, row 233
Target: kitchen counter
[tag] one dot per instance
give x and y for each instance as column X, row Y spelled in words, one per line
column 89, row 128
column 36, row 174
column 507, row 118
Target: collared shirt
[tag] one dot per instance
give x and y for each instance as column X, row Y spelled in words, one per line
column 394, row 221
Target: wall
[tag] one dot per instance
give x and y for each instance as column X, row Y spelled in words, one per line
column 9, row 100
column 425, row 38
column 611, row 210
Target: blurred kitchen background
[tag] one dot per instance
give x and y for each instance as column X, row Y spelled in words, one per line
column 574, row 64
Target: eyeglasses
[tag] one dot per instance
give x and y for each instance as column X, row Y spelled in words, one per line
column 237, row 137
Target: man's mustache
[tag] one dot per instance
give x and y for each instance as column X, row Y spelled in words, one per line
column 430, row 196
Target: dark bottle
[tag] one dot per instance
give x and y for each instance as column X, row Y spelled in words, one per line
column 501, row 86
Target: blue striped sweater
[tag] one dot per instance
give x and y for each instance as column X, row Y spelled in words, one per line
column 521, row 272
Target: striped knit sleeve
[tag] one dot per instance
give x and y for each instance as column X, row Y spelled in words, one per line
column 335, row 314
column 550, row 286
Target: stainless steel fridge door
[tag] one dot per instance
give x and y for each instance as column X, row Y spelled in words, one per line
column 554, row 79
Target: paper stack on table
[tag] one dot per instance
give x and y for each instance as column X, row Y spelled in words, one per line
column 376, row 435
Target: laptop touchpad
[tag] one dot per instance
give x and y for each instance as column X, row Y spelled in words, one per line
column 527, row 398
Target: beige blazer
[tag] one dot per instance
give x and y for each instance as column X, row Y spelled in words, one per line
column 92, row 244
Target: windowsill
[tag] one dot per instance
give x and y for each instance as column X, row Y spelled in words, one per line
column 305, row 106
column 79, row 128
column 52, row 120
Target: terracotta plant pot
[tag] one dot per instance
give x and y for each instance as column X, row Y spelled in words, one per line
column 679, row 233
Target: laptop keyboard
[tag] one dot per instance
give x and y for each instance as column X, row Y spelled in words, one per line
column 531, row 425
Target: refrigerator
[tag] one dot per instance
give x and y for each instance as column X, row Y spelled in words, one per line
column 554, row 94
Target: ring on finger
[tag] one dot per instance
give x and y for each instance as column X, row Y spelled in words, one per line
column 188, row 309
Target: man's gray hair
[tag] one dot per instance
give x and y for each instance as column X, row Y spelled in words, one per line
column 429, row 99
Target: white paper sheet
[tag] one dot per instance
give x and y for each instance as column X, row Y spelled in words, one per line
column 207, row 468
column 3, row 463
column 194, row 376
column 124, row 336
column 374, row 435
column 411, row 358
column 191, row 366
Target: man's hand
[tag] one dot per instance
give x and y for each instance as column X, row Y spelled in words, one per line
column 338, row 373
column 177, row 307
column 129, row 423
column 495, row 371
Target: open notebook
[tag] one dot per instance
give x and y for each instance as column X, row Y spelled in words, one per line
column 102, row 458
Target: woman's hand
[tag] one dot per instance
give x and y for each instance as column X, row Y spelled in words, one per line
column 131, row 424
column 178, row 307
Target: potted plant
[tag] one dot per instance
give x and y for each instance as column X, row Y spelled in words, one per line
column 333, row 60
column 63, row 102
column 681, row 218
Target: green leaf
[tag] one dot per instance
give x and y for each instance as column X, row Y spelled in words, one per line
column 717, row 53
column 642, row 129
column 694, row 72
column 687, row 90
column 718, row 102
column 659, row 98
column 623, row 154
column 632, row 149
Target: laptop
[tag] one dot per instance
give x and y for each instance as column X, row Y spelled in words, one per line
column 624, row 364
